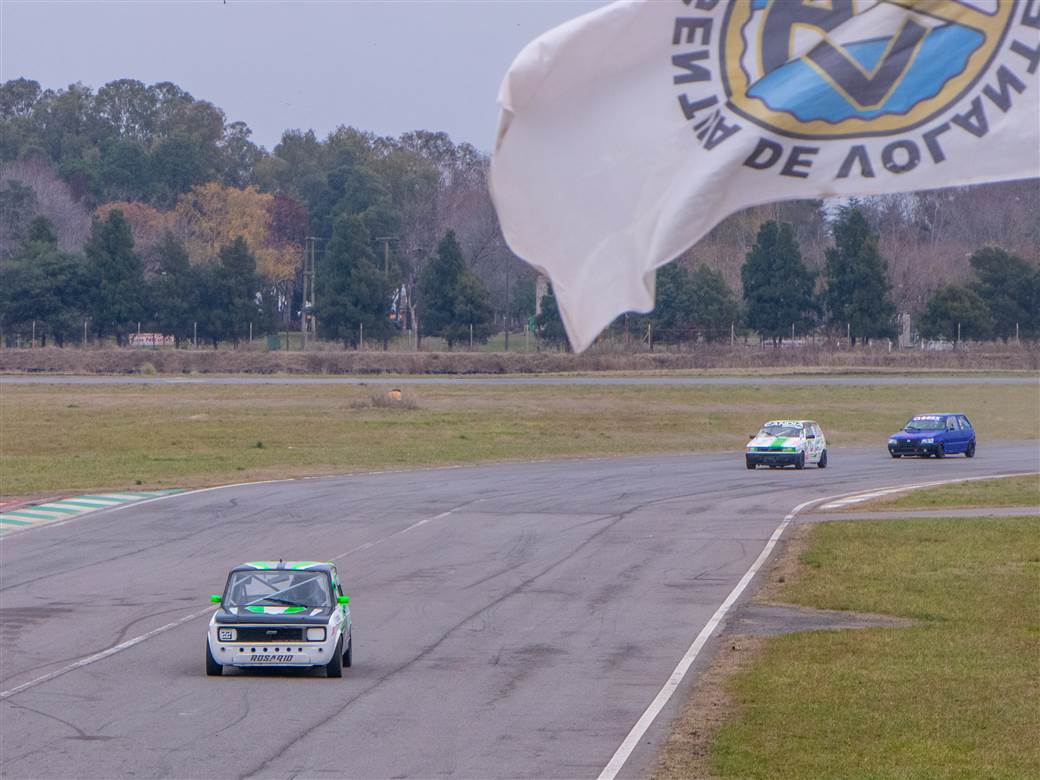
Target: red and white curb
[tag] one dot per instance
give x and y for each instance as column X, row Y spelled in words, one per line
column 31, row 515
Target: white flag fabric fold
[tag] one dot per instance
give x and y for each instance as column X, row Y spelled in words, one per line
column 626, row 134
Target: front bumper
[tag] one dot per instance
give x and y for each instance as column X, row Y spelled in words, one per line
column 772, row 458
column 912, row 448
column 281, row 653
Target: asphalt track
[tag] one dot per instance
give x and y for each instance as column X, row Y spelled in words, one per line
column 511, row 620
column 382, row 379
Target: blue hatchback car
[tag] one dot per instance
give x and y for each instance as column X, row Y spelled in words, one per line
column 939, row 434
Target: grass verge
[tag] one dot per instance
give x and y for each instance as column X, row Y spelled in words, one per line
column 68, row 437
column 1006, row 491
column 954, row 696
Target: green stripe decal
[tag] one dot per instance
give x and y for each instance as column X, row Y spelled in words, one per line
column 12, row 521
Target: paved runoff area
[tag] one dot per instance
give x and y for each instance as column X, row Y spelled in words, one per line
column 19, row 516
column 519, row 620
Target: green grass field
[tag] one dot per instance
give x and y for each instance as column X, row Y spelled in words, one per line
column 1007, row 491
column 954, row 696
column 66, row 438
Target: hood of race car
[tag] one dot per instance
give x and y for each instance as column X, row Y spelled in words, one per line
column 283, row 615
column 775, row 443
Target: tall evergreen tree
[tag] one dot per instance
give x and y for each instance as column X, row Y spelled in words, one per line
column 1005, row 282
column 673, row 315
column 175, row 292
column 43, row 285
column 231, row 300
column 451, row 298
column 549, row 323
column 953, row 311
column 117, row 302
column 858, row 294
column 778, row 287
column 715, row 306
column 354, row 293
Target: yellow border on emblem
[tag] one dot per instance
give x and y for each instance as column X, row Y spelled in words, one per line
column 992, row 27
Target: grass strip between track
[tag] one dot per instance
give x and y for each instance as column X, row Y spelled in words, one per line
column 1023, row 491
column 952, row 696
column 70, row 438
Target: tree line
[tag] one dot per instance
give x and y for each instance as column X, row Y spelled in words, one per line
column 378, row 211
column 783, row 297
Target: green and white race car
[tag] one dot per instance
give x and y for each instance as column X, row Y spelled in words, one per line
column 787, row 443
column 281, row 613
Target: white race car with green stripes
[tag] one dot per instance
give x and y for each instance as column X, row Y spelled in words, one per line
column 281, row 613
column 787, row 443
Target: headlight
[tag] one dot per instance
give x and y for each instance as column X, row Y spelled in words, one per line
column 893, row 441
column 927, row 441
column 316, row 634
column 226, row 634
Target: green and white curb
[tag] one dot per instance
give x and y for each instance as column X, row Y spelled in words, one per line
column 68, row 508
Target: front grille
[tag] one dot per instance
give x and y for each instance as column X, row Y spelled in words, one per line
column 269, row 634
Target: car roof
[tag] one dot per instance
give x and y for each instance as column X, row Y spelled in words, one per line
column 285, row 565
column 941, row 414
column 789, row 422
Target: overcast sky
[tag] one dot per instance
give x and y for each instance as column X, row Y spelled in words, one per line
column 388, row 66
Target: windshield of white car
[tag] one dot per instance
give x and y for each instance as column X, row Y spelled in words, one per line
column 278, row 587
column 926, row 424
column 781, row 430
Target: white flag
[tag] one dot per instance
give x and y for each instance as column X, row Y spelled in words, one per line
column 628, row 133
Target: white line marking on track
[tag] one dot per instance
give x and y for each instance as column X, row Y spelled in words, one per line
column 424, row 521
column 621, row 755
column 103, row 654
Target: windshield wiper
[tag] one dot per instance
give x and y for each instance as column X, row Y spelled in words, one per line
column 289, row 602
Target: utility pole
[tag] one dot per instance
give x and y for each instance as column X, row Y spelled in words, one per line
column 307, row 305
column 509, row 307
column 386, row 279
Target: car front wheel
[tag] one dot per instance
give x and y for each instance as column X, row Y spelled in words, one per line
column 800, row 463
column 213, row 669
column 940, row 451
column 822, row 463
column 348, row 657
column 334, row 668
column 750, row 464
column 970, row 452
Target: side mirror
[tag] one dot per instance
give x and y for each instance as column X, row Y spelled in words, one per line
column 751, row 436
column 343, row 600
column 215, row 598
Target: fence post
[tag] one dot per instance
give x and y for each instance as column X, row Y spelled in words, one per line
column 250, row 333
column 195, row 335
column 471, row 337
column 84, row 333
column 361, row 339
column 32, row 345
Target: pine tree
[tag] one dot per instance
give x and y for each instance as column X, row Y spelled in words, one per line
column 451, row 297
column 715, row 306
column 117, row 302
column 549, row 323
column 858, row 293
column 1005, row 283
column 176, row 291
column 778, row 288
column 672, row 317
column 354, row 297
column 954, row 311
column 44, row 285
